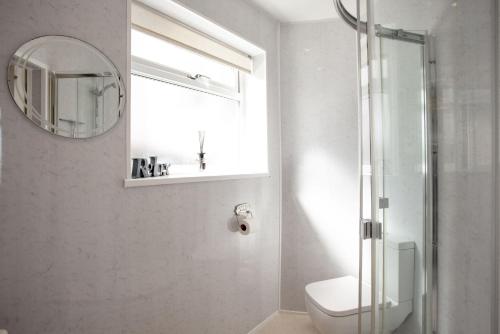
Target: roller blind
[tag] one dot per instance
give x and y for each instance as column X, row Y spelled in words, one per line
column 148, row 19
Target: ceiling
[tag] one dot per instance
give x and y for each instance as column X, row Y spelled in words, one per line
column 408, row 14
column 301, row 10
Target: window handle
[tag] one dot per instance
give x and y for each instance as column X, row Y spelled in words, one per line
column 197, row 76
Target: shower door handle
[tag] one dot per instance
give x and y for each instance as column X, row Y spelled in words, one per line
column 370, row 229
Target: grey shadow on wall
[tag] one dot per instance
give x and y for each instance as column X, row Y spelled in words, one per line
column 305, row 257
column 232, row 224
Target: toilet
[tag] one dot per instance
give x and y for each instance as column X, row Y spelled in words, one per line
column 333, row 304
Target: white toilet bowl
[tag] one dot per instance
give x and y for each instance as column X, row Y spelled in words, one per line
column 333, row 304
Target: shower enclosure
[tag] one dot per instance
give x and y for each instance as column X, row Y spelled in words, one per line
column 82, row 103
column 395, row 171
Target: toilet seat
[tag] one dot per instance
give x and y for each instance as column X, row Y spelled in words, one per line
column 333, row 306
column 338, row 297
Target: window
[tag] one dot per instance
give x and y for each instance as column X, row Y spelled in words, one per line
column 179, row 60
column 184, row 84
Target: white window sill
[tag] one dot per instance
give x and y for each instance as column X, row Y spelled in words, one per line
column 189, row 178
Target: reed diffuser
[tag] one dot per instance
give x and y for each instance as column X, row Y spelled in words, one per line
column 201, row 154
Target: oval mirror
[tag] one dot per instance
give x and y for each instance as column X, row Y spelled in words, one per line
column 66, row 86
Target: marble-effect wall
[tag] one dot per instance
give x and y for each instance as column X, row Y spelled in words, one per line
column 464, row 45
column 320, row 154
column 80, row 253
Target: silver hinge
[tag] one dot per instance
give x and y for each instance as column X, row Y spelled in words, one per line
column 370, row 230
column 383, row 203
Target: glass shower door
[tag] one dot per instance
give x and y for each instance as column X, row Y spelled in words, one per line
column 399, row 203
column 403, row 170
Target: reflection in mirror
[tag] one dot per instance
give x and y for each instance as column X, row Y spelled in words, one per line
column 66, row 86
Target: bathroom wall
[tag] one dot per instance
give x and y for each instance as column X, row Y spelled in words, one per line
column 80, row 253
column 465, row 72
column 319, row 136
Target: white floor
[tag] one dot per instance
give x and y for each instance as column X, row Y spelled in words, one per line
column 287, row 323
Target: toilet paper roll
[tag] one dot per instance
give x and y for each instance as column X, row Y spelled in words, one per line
column 247, row 225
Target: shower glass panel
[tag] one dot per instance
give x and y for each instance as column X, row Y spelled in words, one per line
column 400, row 164
column 396, row 195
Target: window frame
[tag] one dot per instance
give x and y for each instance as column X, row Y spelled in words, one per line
column 252, row 84
column 151, row 70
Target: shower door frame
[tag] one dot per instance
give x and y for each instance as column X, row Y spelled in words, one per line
column 374, row 34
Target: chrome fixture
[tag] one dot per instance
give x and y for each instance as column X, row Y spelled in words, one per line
column 380, row 31
column 370, row 230
column 243, row 209
column 399, row 34
column 348, row 17
column 100, row 92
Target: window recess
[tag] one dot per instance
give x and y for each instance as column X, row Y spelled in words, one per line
column 184, row 81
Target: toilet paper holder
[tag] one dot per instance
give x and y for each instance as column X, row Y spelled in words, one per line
column 243, row 210
column 244, row 219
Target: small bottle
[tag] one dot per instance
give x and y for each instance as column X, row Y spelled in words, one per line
column 201, row 159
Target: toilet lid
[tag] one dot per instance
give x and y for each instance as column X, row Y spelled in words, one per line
column 338, row 297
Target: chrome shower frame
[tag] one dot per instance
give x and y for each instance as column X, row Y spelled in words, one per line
column 380, row 31
column 430, row 147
